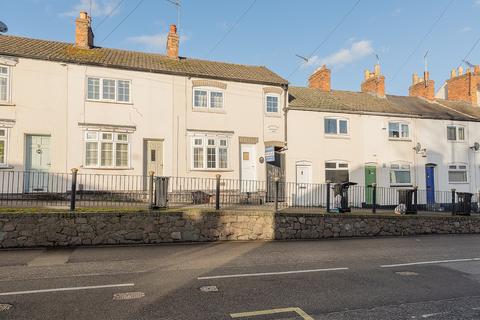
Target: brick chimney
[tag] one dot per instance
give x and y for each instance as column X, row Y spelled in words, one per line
column 374, row 82
column 172, row 42
column 464, row 86
column 83, row 31
column 422, row 87
column 320, row 79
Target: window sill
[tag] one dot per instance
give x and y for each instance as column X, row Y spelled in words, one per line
column 209, row 110
column 401, row 186
column 7, row 104
column 456, row 141
column 273, row 114
column 211, row 170
column 107, row 168
column 336, row 136
column 6, row 167
column 400, row 139
column 110, row 102
column 465, row 182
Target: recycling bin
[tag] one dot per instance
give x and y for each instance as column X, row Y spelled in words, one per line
column 464, row 203
column 341, row 193
column 406, row 197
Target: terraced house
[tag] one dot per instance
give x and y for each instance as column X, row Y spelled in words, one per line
column 111, row 111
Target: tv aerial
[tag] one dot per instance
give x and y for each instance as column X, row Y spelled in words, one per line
column 3, row 27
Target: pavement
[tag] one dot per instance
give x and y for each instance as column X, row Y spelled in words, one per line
column 429, row 277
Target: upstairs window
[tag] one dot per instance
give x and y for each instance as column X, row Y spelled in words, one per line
column 107, row 149
column 398, row 130
column 456, row 133
column 111, row 90
column 336, row 126
column 457, row 173
column 209, row 152
column 4, row 84
column 400, row 174
column 207, row 99
column 272, row 102
column 336, row 171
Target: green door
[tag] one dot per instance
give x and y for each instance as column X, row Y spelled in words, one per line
column 370, row 177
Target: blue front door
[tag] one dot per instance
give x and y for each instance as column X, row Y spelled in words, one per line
column 430, row 184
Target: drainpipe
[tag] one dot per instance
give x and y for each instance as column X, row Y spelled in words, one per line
column 285, row 111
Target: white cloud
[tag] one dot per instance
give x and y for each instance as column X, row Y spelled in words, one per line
column 357, row 51
column 477, row 3
column 397, row 12
column 100, row 8
column 466, row 29
column 153, row 42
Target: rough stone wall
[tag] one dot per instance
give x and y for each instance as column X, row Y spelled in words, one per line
column 54, row 229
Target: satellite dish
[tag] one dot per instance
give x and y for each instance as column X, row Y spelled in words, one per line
column 3, row 27
column 418, row 147
column 476, row 146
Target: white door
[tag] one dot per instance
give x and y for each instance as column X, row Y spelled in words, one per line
column 154, row 157
column 303, row 195
column 37, row 163
column 248, row 173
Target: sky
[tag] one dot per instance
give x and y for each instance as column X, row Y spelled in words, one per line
column 273, row 32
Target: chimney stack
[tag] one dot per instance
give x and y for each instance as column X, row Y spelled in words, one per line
column 83, row 31
column 464, row 86
column 320, row 79
column 422, row 87
column 172, row 42
column 374, row 82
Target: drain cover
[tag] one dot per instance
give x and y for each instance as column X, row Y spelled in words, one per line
column 209, row 289
column 5, row 307
column 407, row 273
column 128, row 295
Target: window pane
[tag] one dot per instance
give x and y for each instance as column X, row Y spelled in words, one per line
column 2, row 151
column 198, row 158
column 92, row 136
column 461, row 133
column 331, row 165
column 93, row 89
column 123, row 91
column 393, row 130
column 343, row 165
column 211, row 158
column 3, row 133
column 198, row 142
column 216, row 99
column 91, row 153
column 336, row 176
column 3, row 70
column 272, row 104
column 223, row 143
column 457, row 176
column 121, row 155
column 108, row 89
column 343, row 126
column 122, row 137
column 405, row 131
column 106, row 154
column 211, row 142
column 3, row 88
column 200, row 99
column 331, row 126
column 107, row 136
column 399, row 176
column 451, row 133
column 222, row 156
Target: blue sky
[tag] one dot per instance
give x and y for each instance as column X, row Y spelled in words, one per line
column 274, row 31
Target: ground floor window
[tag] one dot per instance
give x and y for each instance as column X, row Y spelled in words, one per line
column 400, row 174
column 209, row 152
column 3, row 147
column 336, row 171
column 107, row 149
column 457, row 173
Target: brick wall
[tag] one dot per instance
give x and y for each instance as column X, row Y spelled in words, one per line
column 320, row 79
column 424, row 89
column 463, row 87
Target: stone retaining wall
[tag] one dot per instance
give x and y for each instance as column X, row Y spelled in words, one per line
column 67, row 229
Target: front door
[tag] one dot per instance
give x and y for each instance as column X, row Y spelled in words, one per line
column 303, row 185
column 370, row 178
column 248, row 173
column 154, row 157
column 37, row 163
column 430, row 184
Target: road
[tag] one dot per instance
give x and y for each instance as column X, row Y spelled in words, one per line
column 431, row 277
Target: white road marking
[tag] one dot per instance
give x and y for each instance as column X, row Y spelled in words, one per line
column 209, row 289
column 428, row 262
column 14, row 293
column 128, row 295
column 241, row 275
column 5, row 307
column 298, row 311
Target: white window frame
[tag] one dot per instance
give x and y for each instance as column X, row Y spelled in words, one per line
column 458, row 167
column 209, row 91
column 100, row 90
column 4, row 138
column 272, row 95
column 337, row 133
column 340, row 165
column 218, row 145
column 400, row 130
column 457, row 130
column 403, row 167
column 8, row 78
column 114, row 140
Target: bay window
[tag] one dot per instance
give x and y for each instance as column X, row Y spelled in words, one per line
column 272, row 102
column 207, row 98
column 400, row 174
column 209, row 152
column 107, row 149
column 457, row 173
column 110, row 90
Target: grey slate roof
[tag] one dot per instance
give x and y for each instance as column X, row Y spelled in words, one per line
column 132, row 60
column 311, row 99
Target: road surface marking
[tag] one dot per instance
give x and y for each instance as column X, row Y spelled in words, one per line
column 5, row 307
column 268, row 273
column 209, row 289
column 14, row 293
column 128, row 295
column 427, row 262
column 299, row 311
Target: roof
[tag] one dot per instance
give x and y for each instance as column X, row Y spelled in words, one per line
column 312, row 99
column 133, row 60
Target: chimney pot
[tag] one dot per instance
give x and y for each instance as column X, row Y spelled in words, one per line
column 476, row 69
column 172, row 42
column 453, row 73
column 320, row 79
column 415, row 78
column 83, row 31
column 460, row 71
